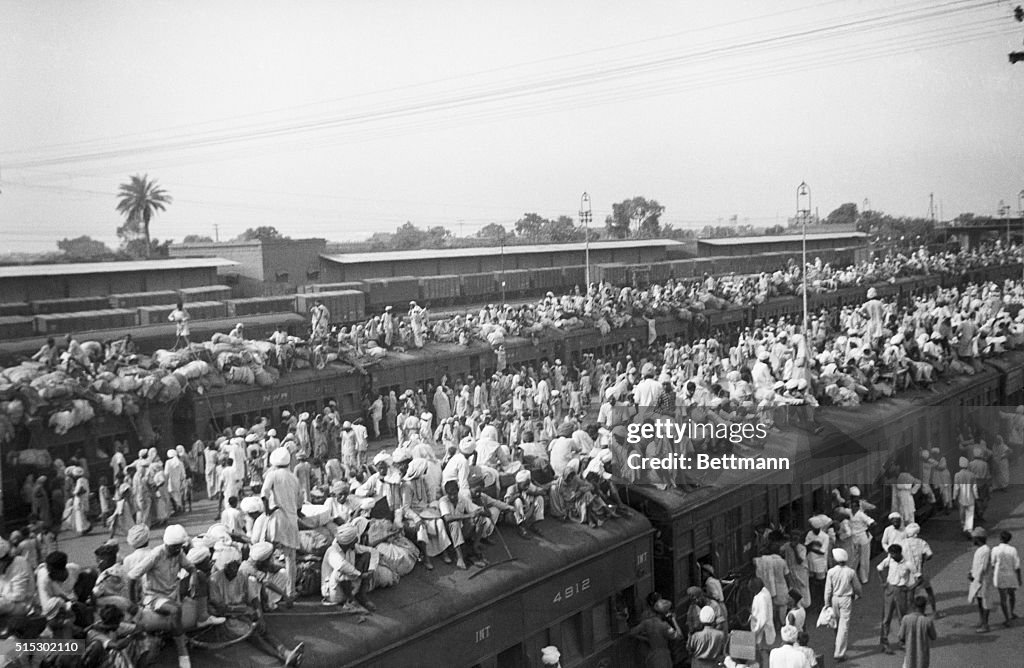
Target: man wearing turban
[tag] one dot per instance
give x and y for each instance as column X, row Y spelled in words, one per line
column 347, row 568
column 160, row 567
column 706, row 646
column 527, row 501
column 842, row 587
column 235, row 595
column 789, row 655
column 282, row 499
column 965, row 493
column 273, row 580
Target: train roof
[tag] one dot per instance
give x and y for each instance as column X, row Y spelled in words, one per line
column 783, row 238
column 424, row 603
column 80, row 268
column 432, row 253
column 841, row 443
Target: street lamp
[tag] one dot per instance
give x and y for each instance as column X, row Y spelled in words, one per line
column 585, row 215
column 1020, row 209
column 803, row 212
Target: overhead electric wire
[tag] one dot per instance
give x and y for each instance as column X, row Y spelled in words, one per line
column 579, row 99
column 233, row 120
column 544, row 86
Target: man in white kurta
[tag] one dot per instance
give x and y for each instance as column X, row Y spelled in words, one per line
column 282, row 500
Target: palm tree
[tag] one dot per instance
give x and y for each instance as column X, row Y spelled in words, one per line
column 138, row 201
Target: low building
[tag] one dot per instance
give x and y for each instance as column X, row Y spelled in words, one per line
column 442, row 261
column 34, row 282
column 264, row 266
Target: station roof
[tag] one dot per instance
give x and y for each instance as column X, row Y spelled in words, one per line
column 79, row 268
column 782, row 238
column 435, row 253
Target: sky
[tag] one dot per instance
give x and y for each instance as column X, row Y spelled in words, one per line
column 341, row 119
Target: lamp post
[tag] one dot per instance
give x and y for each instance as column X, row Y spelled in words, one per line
column 1020, row 209
column 803, row 212
column 501, row 241
column 585, row 214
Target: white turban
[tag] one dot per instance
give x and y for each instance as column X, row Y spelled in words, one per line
column 550, row 656
column 175, row 534
column 707, row 615
column 240, row 432
column 467, row 445
column 913, row 529
column 251, row 504
column 381, row 457
column 261, row 551
column 280, row 457
column 522, row 476
column 789, row 633
column 226, row 554
column 198, row 555
column 840, row 555
column 172, row 454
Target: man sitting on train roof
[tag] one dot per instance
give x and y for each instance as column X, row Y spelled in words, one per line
column 235, row 595
column 347, row 569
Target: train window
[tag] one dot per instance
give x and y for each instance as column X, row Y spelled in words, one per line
column 511, row 657
column 601, row 620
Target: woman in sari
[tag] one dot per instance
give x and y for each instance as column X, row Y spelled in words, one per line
column 79, row 500
column 161, row 497
column 1000, row 464
column 123, row 517
column 41, row 502
column 571, row 495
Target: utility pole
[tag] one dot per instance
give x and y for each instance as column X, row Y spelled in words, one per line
column 803, row 212
column 585, row 215
column 216, row 232
column 931, row 208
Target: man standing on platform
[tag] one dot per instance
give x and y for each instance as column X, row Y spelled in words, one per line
column 842, row 588
column 860, row 522
column 897, row 577
column 917, row 632
column 980, row 576
column 179, row 316
column 1006, row 575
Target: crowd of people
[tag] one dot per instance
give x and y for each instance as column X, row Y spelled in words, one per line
column 303, row 508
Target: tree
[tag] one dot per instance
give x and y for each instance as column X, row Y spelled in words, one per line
column 639, row 213
column 846, row 214
column 84, row 248
column 531, row 226
column 196, row 239
column 137, row 247
column 138, row 201
column 562, row 230
column 492, row 231
column 262, row 232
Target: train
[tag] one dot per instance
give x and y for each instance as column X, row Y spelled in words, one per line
column 583, row 587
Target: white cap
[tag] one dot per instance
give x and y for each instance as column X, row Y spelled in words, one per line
column 550, row 656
